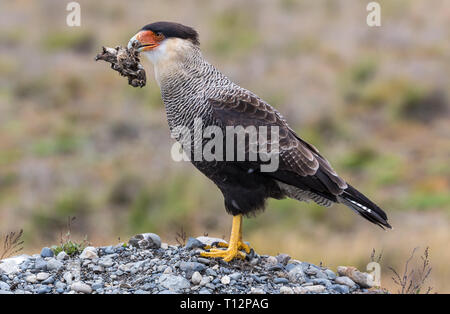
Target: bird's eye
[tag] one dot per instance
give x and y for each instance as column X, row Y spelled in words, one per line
column 159, row 34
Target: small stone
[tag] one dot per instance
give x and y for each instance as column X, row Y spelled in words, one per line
column 286, row 290
column 10, row 266
column 299, row 290
column 271, row 260
column 205, row 280
column 330, row 274
column 98, row 269
column 109, row 250
column 296, row 274
column 62, row 256
column 81, row 287
column 321, row 281
column 49, row 281
column 31, row 279
column 139, row 291
column 164, row 246
column 146, row 241
column 168, row 270
column 315, row 288
column 204, row 291
column 340, row 288
column 60, row 285
column 40, row 264
column 54, row 264
column 42, row 276
column 341, row 270
column 89, row 252
column 280, row 280
column 46, row 252
column 235, row 276
column 193, row 243
column 283, row 259
column 196, row 278
column 173, row 283
column 4, row 286
column 192, row 266
column 44, row 290
column 203, row 260
column 365, row 280
column 254, row 290
column 225, row 280
column 344, row 280
column 210, row 240
column 68, row 277
column 106, row 262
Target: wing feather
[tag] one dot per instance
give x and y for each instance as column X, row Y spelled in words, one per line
column 296, row 156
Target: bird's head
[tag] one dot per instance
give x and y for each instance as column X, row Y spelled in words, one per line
column 164, row 40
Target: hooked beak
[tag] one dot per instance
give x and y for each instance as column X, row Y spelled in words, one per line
column 144, row 41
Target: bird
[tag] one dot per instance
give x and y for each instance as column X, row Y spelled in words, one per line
column 192, row 88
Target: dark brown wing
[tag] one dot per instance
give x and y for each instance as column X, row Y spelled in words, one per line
column 301, row 164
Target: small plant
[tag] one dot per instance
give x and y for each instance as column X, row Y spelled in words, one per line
column 411, row 282
column 12, row 244
column 181, row 237
column 67, row 245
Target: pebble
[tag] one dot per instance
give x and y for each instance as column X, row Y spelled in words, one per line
column 173, row 283
column 283, row 259
column 315, row 288
column 254, row 290
column 40, row 264
column 340, row 288
column 364, row 280
column 272, row 260
column 44, row 290
column 225, row 280
column 196, row 278
column 296, row 274
column 54, row 265
column 146, row 241
column 235, row 276
column 193, row 243
column 42, row 276
column 344, row 280
column 204, row 291
column 31, row 279
column 81, row 287
column 286, row 290
column 62, row 256
column 106, row 262
column 89, row 252
column 280, row 280
column 4, row 286
column 46, row 252
column 192, row 266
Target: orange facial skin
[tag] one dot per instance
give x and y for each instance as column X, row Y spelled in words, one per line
column 149, row 40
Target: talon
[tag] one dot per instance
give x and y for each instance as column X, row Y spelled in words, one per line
column 233, row 250
column 227, row 255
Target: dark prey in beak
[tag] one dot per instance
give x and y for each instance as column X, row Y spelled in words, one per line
column 126, row 62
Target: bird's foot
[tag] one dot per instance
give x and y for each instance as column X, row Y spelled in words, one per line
column 240, row 246
column 227, row 254
column 233, row 251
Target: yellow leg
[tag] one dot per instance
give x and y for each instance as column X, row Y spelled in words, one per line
column 236, row 244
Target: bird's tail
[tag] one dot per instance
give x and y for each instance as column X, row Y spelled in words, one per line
column 364, row 207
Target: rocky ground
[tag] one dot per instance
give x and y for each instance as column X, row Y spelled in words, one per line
column 145, row 265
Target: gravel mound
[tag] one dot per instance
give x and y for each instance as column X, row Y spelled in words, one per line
column 147, row 266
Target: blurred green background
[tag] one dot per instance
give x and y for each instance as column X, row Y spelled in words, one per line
column 77, row 140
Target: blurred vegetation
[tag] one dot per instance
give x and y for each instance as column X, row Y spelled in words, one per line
column 76, row 140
